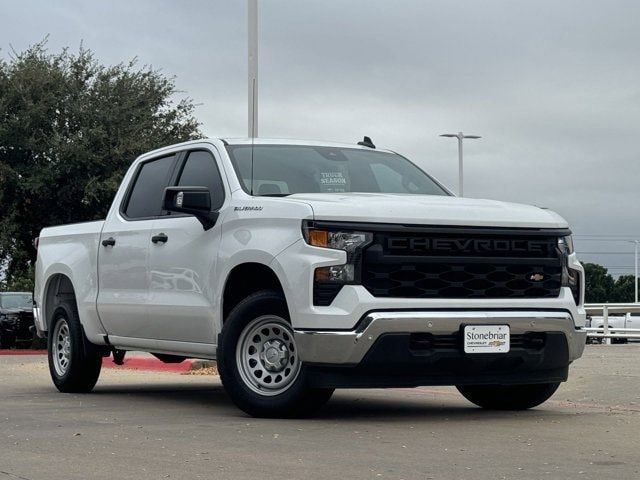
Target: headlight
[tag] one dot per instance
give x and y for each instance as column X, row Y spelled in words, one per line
column 565, row 244
column 347, row 241
column 350, row 242
column 570, row 277
column 329, row 280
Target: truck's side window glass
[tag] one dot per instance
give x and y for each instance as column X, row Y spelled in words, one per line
column 200, row 170
column 145, row 199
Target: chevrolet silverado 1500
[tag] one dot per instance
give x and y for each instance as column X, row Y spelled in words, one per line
column 305, row 266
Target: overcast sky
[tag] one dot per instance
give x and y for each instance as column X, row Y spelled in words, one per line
column 552, row 86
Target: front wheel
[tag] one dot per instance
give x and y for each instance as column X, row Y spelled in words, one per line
column 74, row 363
column 508, row 397
column 259, row 363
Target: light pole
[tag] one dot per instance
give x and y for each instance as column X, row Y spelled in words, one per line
column 460, row 136
column 252, row 37
column 636, row 243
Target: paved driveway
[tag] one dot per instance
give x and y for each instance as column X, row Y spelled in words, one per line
column 142, row 425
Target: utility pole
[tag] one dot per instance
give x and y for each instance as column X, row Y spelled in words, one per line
column 252, row 37
column 460, row 136
column 636, row 243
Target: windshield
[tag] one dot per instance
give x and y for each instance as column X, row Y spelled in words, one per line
column 16, row 300
column 287, row 169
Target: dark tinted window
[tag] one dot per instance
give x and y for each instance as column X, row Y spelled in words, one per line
column 200, row 170
column 146, row 197
column 290, row 169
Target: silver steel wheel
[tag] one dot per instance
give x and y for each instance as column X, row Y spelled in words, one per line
column 267, row 356
column 61, row 347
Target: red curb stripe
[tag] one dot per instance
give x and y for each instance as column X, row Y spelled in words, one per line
column 149, row 364
column 133, row 363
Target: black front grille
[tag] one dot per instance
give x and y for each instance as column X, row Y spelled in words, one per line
column 463, row 264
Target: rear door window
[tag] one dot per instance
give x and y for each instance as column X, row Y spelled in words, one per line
column 145, row 199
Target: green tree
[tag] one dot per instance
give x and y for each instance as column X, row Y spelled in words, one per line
column 624, row 290
column 69, row 129
column 600, row 285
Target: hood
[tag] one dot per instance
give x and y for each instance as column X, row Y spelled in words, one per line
column 426, row 210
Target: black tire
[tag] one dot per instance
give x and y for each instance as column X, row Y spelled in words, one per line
column 508, row 397
column 298, row 400
column 84, row 360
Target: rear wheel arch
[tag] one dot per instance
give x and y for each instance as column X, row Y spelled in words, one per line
column 59, row 289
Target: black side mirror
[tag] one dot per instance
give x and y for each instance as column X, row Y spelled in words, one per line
column 194, row 201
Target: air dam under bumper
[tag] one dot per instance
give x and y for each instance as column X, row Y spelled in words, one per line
column 425, row 348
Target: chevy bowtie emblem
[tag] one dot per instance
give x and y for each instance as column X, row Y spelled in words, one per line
column 536, row 277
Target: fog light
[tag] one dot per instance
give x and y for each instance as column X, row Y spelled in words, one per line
column 335, row 274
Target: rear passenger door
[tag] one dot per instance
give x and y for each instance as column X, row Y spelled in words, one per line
column 123, row 269
column 182, row 303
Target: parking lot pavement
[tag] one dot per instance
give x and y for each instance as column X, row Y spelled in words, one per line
column 145, row 425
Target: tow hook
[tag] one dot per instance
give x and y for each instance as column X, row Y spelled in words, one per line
column 118, row 356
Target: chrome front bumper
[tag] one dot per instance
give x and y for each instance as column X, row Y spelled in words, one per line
column 350, row 347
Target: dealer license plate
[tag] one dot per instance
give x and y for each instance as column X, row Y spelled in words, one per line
column 486, row 338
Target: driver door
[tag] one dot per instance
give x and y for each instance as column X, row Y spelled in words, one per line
column 182, row 300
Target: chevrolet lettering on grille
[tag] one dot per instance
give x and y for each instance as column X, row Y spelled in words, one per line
column 469, row 245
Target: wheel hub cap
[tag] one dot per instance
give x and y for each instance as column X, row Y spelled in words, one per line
column 61, row 347
column 266, row 355
column 274, row 355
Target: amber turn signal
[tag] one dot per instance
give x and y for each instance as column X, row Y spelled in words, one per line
column 318, row 238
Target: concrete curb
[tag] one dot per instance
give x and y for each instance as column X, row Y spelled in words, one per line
column 202, row 364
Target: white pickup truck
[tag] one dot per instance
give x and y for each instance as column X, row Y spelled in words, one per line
column 305, row 266
column 616, row 323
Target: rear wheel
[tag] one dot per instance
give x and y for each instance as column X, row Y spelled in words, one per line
column 508, row 397
column 74, row 363
column 259, row 363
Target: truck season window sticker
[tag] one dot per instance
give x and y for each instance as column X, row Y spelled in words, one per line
column 332, row 182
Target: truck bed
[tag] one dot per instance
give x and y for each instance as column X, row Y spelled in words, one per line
column 72, row 250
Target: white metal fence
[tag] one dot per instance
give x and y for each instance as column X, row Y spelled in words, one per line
column 607, row 331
